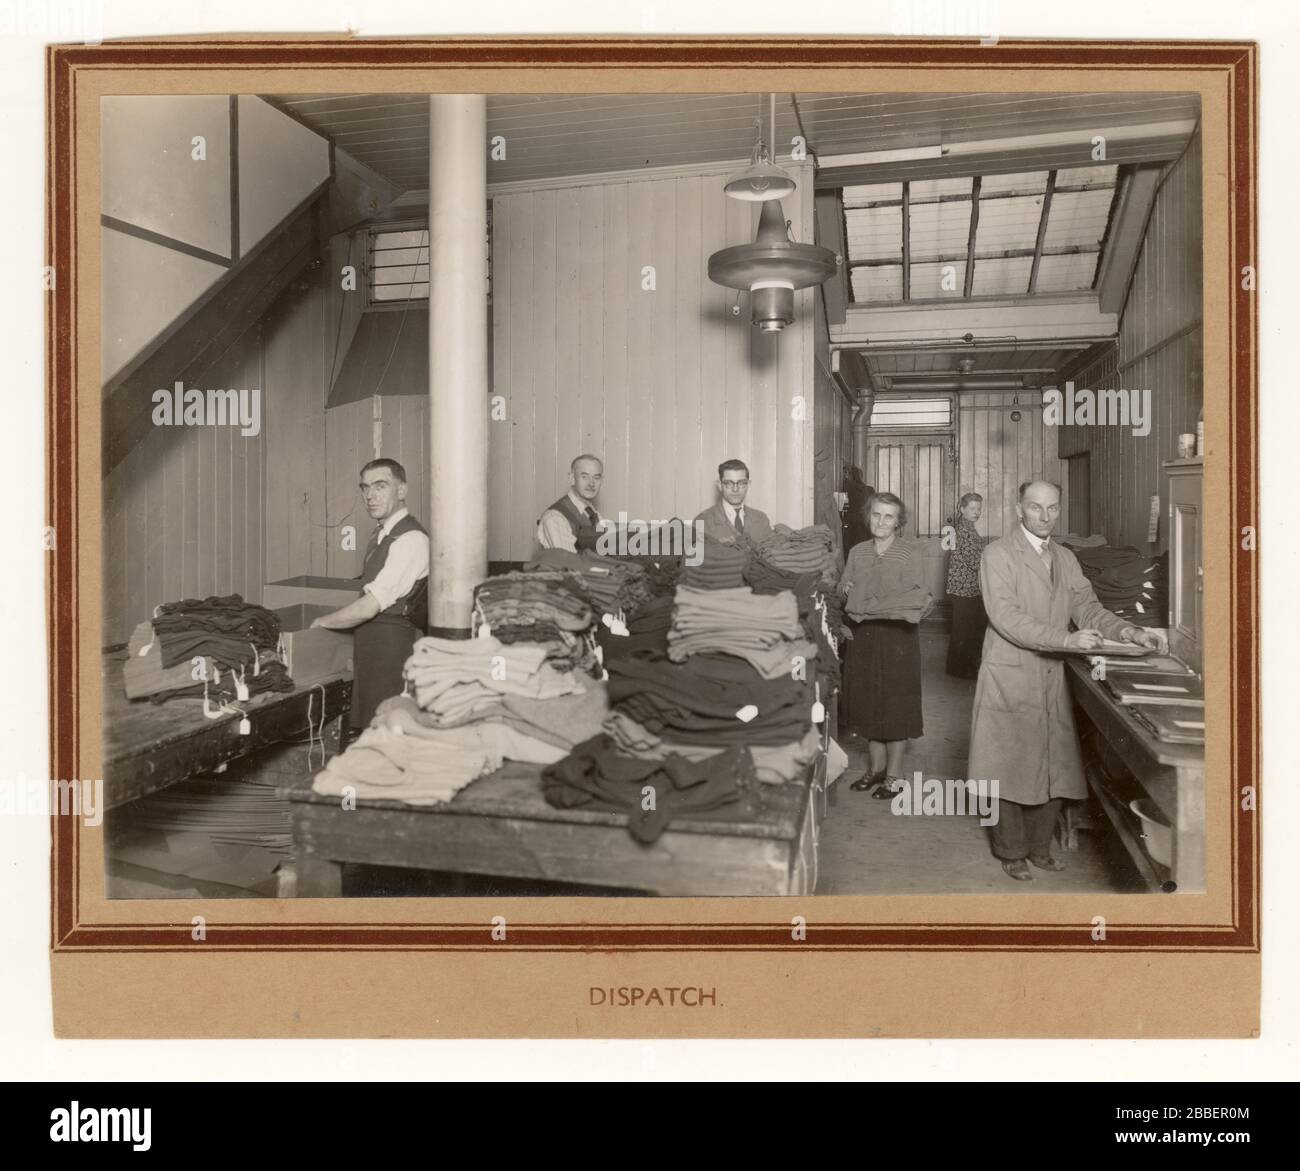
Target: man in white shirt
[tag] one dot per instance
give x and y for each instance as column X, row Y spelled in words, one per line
column 731, row 518
column 392, row 611
column 572, row 522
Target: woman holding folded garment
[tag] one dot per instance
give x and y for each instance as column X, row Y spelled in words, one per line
column 885, row 598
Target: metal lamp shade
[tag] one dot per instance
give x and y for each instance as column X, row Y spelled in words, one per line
column 760, row 181
column 771, row 268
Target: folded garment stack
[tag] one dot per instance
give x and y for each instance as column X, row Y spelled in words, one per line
column 458, row 681
column 807, row 550
column 1131, row 584
column 820, row 611
column 545, row 609
column 710, row 699
column 762, row 629
column 611, row 585
column 404, row 756
column 218, row 646
column 721, row 565
column 596, row 775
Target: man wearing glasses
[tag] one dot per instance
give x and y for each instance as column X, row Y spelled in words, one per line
column 392, row 610
column 731, row 519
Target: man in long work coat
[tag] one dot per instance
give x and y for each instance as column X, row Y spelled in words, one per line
column 1022, row 726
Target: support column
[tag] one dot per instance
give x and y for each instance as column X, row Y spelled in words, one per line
column 458, row 358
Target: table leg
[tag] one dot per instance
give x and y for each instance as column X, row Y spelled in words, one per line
column 319, row 878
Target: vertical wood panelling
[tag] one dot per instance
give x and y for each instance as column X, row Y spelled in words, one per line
column 1152, row 353
column 664, row 384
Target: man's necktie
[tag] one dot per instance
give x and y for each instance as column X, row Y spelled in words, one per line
column 374, row 542
column 1045, row 552
column 740, row 522
column 591, row 516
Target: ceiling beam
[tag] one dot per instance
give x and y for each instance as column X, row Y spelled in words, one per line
column 1124, row 236
column 1011, row 322
column 1042, row 232
column 907, row 243
column 970, row 242
column 830, row 234
column 1149, row 142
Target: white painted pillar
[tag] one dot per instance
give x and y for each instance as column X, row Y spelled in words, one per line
column 458, row 357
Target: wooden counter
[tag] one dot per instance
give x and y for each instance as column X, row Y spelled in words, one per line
column 501, row 825
column 148, row 746
column 1173, row 776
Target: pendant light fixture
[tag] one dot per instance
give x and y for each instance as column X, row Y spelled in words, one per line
column 773, row 266
column 763, row 179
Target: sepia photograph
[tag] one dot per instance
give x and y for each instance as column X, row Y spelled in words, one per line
column 652, row 494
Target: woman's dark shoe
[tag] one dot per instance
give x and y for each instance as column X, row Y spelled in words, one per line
column 868, row 781
column 889, row 786
column 1018, row 869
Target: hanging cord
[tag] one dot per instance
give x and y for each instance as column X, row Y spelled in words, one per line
column 318, row 733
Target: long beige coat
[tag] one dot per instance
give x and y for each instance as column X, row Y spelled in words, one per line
column 1022, row 725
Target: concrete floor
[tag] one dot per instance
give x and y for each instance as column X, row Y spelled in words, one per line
column 867, row 849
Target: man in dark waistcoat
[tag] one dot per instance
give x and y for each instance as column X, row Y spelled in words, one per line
column 572, row 522
column 392, row 611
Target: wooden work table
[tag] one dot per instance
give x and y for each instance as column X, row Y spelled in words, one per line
column 148, row 746
column 501, row 825
column 1173, row 776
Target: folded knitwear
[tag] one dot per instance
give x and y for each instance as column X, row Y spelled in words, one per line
column 762, row 629
column 710, row 699
column 774, row 764
column 524, row 599
column 229, row 615
column 609, row 584
column 594, row 775
column 807, row 550
column 460, row 679
column 721, row 566
column 144, row 676
column 400, row 758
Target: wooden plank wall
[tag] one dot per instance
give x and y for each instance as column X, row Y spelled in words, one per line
column 663, row 384
column 832, row 428
column 996, row 455
column 315, row 455
column 1160, row 347
column 182, row 512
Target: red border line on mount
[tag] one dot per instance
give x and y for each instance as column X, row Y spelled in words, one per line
column 1236, row 60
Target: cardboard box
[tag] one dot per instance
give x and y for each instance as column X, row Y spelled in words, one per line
column 313, row 656
column 311, row 590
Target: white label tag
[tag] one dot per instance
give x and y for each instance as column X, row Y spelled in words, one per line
column 747, row 713
column 245, row 726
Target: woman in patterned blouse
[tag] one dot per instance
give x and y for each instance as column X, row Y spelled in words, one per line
column 969, row 620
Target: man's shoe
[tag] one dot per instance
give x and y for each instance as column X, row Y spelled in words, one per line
column 1046, row 862
column 1018, row 869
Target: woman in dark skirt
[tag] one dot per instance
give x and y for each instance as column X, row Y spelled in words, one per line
column 969, row 621
column 885, row 599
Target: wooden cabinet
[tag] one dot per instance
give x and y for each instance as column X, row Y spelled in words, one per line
column 1186, row 570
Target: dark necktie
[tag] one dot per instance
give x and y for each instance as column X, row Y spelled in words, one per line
column 374, row 542
column 1045, row 553
column 591, row 516
column 740, row 522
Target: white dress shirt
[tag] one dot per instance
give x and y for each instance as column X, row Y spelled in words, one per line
column 408, row 561
column 730, row 513
column 1039, row 543
column 554, row 530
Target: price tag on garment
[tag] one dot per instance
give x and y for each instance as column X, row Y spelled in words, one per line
column 485, row 631
column 241, row 690
column 245, row 726
column 614, row 624
column 747, row 713
column 818, row 708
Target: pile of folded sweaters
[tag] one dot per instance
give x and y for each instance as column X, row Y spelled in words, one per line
column 470, row 705
column 221, row 647
column 1131, row 584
